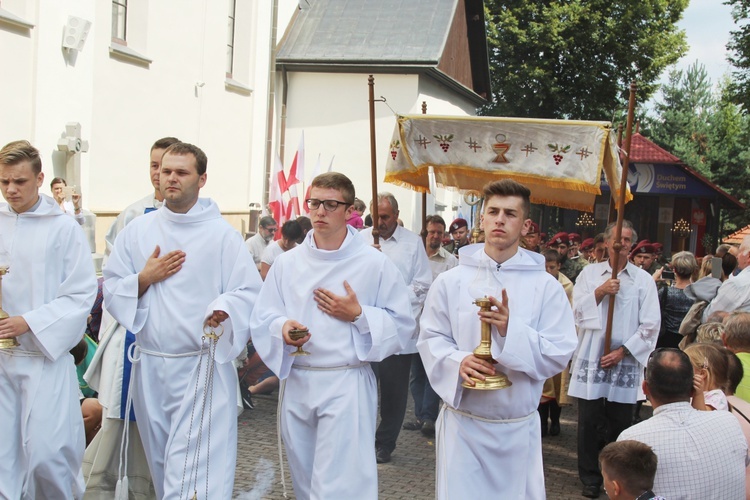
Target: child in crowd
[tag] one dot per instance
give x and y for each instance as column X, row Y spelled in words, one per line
column 355, row 220
column 710, row 366
column 628, row 469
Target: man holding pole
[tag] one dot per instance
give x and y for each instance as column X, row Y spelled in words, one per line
column 607, row 379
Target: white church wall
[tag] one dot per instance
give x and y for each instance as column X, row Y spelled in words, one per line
column 332, row 109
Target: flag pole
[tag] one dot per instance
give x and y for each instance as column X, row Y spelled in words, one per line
column 620, row 215
column 373, row 164
column 424, row 195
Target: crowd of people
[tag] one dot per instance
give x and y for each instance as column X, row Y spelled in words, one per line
column 332, row 313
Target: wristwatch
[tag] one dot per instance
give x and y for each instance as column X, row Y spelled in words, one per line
column 356, row 318
column 625, row 350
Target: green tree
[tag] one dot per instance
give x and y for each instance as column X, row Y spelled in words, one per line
column 728, row 154
column 739, row 47
column 707, row 131
column 576, row 58
column 681, row 125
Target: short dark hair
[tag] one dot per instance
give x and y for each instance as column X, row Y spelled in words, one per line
column 728, row 263
column 58, row 180
column 16, row 152
column 669, row 375
column 552, row 256
column 630, row 463
column 735, row 372
column 434, row 219
column 165, row 142
column 184, row 149
column 509, row 187
column 291, row 230
column 306, row 225
column 599, row 238
column 266, row 221
column 337, row 181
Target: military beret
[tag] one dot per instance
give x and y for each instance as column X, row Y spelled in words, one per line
column 457, row 224
column 559, row 239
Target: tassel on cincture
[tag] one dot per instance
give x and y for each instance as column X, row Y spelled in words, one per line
column 121, row 490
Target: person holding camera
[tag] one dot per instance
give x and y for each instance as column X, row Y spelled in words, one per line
column 68, row 198
column 671, row 281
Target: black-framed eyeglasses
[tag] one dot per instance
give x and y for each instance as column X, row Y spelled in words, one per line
column 329, row 205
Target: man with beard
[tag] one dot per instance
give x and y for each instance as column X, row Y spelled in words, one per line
column 569, row 267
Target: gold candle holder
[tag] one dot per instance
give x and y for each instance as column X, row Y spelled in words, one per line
column 483, row 351
column 5, row 343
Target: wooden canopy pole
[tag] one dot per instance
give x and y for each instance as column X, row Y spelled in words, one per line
column 373, row 164
column 424, row 195
column 620, row 216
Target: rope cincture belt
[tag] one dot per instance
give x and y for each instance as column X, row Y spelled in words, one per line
column 281, row 400
column 134, row 355
column 439, row 449
column 16, row 352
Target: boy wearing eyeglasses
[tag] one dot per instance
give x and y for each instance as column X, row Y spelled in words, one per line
column 355, row 306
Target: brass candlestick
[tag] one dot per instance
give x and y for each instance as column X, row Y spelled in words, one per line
column 5, row 343
column 483, row 351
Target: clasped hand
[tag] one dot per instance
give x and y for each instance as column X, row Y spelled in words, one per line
column 345, row 308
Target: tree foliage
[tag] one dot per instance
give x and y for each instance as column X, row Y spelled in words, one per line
column 739, row 47
column 576, row 58
column 708, row 132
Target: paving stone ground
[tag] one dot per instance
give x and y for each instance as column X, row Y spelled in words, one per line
column 411, row 473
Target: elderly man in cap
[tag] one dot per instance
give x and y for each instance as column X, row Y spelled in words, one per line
column 569, row 267
column 459, row 230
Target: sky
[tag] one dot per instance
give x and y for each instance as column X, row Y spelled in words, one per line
column 707, row 24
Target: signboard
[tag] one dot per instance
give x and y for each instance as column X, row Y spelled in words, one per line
column 649, row 178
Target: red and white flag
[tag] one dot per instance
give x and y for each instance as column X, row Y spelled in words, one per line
column 275, row 196
column 296, row 176
column 316, row 172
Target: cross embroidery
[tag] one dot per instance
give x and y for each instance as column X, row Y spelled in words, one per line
column 422, row 141
column 473, row 144
column 584, row 153
column 529, row 148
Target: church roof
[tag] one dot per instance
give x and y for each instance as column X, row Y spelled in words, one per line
column 736, row 237
column 383, row 35
column 644, row 151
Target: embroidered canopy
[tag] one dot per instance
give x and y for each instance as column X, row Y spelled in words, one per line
column 561, row 161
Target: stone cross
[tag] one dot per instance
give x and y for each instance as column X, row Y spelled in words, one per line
column 72, row 144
